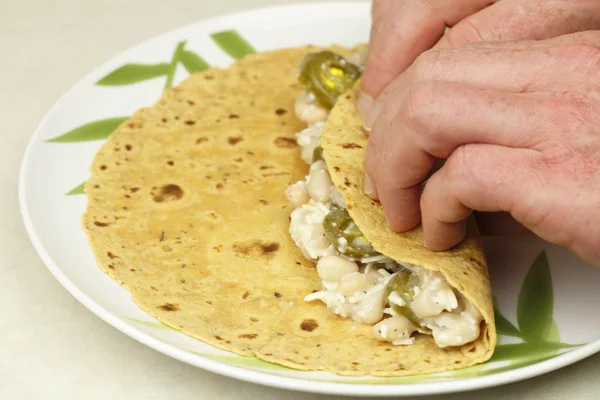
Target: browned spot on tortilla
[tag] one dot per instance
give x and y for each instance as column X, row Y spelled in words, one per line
column 111, row 266
column 209, row 302
column 233, row 116
column 472, row 350
column 169, row 193
column 348, row 97
column 264, row 202
column 309, row 325
column 153, row 288
column 171, row 163
column 132, row 269
column 388, row 349
column 100, row 224
column 209, row 77
column 285, row 143
column 238, row 159
column 111, row 255
column 218, row 337
column 457, row 362
column 253, row 319
column 351, row 146
column 219, row 185
column 128, row 147
column 427, row 361
column 190, row 122
column 201, row 140
column 191, row 102
column 134, row 189
column 245, row 295
column 248, row 336
column 355, row 363
column 349, row 206
column 228, row 341
column 280, row 111
column 263, row 167
column 277, row 294
column 269, row 247
column 169, row 307
column 400, row 367
column 233, row 140
column 337, row 169
column 347, row 182
column 103, row 167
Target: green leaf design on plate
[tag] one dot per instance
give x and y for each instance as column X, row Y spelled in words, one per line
column 535, row 304
column 96, row 130
column 173, row 64
column 192, row 61
column 134, row 73
column 154, row 324
column 76, row 190
column 242, row 361
column 233, row 44
column 503, row 325
column 553, row 333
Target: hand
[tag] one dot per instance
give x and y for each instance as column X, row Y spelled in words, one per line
column 403, row 29
column 519, row 126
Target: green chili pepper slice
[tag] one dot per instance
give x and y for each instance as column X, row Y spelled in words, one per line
column 327, row 75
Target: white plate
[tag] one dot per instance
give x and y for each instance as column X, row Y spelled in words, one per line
column 563, row 289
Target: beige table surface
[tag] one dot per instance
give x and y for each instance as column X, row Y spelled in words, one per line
column 50, row 345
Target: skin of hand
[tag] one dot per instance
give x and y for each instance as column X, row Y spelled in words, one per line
column 518, row 124
column 403, row 29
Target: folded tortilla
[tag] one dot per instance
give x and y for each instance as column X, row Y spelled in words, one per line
column 186, row 210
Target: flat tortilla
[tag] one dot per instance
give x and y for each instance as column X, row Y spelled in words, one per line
column 186, row 210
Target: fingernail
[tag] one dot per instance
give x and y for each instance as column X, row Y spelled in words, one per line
column 368, row 186
column 364, row 104
column 372, row 116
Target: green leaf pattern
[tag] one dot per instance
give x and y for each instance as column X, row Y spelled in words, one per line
column 133, row 73
column 535, row 305
column 233, row 44
column 96, row 130
column 229, row 41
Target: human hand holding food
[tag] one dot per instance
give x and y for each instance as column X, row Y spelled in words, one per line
column 517, row 123
column 403, row 29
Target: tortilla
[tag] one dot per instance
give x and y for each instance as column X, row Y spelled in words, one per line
column 344, row 144
column 186, row 210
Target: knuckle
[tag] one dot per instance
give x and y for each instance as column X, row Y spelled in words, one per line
column 424, row 66
column 460, row 170
column 416, row 110
column 465, row 32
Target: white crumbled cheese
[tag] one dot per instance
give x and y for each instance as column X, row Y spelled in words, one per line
column 306, row 228
column 384, row 331
column 401, row 342
column 330, row 285
column 395, row 298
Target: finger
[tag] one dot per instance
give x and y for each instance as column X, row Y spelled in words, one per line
column 401, row 30
column 518, row 20
column 436, row 119
column 504, row 66
column 498, row 224
column 480, row 177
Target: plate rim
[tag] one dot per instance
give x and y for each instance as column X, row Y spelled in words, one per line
column 247, row 374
